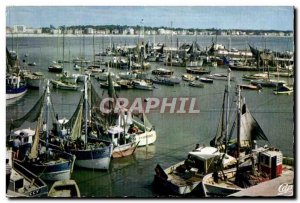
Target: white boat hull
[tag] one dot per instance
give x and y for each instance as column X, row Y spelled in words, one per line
column 145, row 138
column 101, row 163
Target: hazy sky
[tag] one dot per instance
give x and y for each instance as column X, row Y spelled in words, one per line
column 279, row 18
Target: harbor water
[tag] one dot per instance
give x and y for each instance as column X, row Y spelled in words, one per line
column 177, row 134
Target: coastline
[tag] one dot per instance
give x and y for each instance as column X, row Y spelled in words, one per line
column 9, row 35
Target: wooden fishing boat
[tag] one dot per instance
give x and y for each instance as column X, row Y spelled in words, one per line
column 196, row 84
column 254, row 166
column 24, row 183
column 206, row 80
column 186, row 176
column 15, row 87
column 188, row 77
column 142, row 84
column 198, row 71
column 49, row 164
column 283, row 89
column 162, row 72
column 250, row 87
column 63, row 85
column 65, row 188
column 55, row 68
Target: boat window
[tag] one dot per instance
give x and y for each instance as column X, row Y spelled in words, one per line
column 116, row 136
column 267, row 161
column 25, row 140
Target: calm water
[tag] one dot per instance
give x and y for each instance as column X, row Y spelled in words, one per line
column 177, row 133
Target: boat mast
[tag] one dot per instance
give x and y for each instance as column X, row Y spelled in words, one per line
column 47, row 116
column 238, row 123
column 85, row 111
column 63, row 35
column 94, row 48
column 227, row 110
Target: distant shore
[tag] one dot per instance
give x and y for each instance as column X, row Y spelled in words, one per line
column 120, row 35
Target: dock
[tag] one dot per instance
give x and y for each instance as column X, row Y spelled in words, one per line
column 282, row 186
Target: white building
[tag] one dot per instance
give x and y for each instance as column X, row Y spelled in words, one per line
column 19, row 28
column 89, row 31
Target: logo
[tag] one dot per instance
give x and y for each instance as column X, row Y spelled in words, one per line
column 285, row 189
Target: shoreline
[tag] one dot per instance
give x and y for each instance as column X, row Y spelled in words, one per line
column 9, row 35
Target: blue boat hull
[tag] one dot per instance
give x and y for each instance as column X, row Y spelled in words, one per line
column 96, row 158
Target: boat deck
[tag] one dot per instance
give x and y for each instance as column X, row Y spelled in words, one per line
column 183, row 179
column 281, row 186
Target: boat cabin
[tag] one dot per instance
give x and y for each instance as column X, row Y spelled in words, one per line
column 116, row 135
column 205, row 158
column 270, row 162
column 25, row 134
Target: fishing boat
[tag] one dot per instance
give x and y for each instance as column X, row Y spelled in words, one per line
column 250, row 87
column 162, row 72
column 197, row 71
column 196, row 84
column 32, row 64
column 15, row 86
column 142, row 132
column 206, row 80
column 64, row 188
column 142, row 85
column 34, row 80
column 90, row 153
column 67, row 77
column 104, row 76
column 125, row 84
column 167, row 80
column 106, row 85
column 127, row 75
column 55, row 68
column 23, row 183
column 186, row 176
column 255, row 76
column 283, row 89
column 218, row 76
column 58, row 84
column 47, row 163
column 188, row 77
column 254, row 165
column 268, row 82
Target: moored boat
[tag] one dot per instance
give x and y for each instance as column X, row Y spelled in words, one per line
column 63, row 85
column 24, row 183
column 64, row 188
column 283, row 89
column 142, row 84
column 198, row 71
column 162, row 72
column 196, row 84
column 15, row 87
column 55, row 68
column 206, row 80
column 188, row 77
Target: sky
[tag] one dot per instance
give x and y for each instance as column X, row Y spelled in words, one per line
column 265, row 18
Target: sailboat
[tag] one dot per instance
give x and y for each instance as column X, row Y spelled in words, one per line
column 90, row 153
column 49, row 164
column 186, row 176
column 56, row 67
column 254, row 165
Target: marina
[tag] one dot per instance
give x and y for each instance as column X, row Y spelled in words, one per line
column 145, row 121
